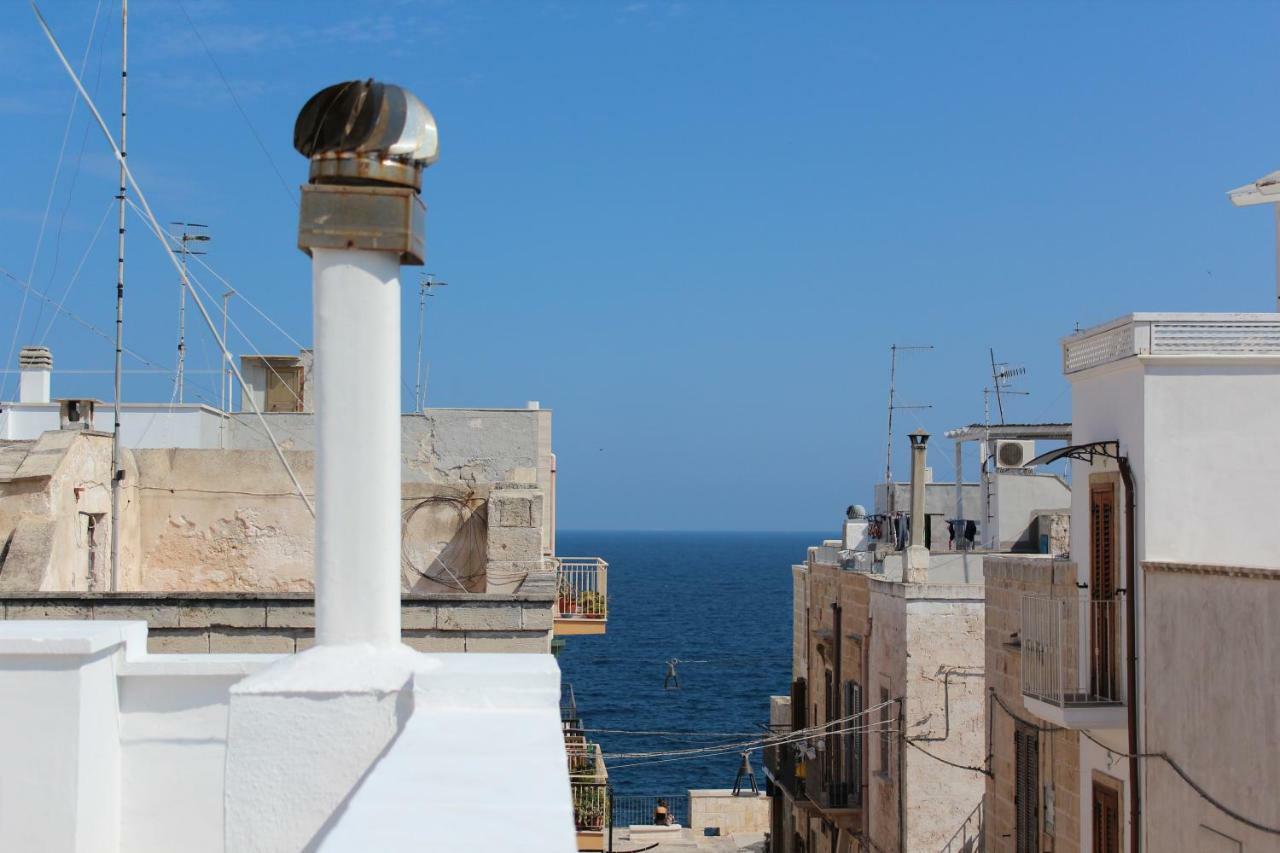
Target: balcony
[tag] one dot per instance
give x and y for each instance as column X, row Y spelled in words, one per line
column 828, row 786
column 589, row 788
column 1072, row 661
column 582, row 600
column 780, row 760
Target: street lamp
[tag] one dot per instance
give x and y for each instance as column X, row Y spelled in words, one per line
column 1265, row 190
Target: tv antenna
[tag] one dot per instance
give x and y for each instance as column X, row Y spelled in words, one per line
column 426, row 284
column 1002, row 376
column 189, row 235
column 893, row 370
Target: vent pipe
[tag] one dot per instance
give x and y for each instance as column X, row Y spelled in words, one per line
column 35, row 372
column 916, row 569
column 361, row 218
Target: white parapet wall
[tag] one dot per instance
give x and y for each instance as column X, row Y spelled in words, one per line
column 106, row 748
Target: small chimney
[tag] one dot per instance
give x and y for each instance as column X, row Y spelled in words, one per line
column 35, row 370
column 76, row 413
column 916, row 569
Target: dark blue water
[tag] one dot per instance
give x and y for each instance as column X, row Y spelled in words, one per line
column 723, row 598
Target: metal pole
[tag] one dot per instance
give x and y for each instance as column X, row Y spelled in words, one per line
column 417, row 382
column 116, row 472
column 1276, row 208
column 888, row 442
column 182, row 318
column 224, row 387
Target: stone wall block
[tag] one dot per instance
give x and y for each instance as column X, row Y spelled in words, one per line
column 507, row 510
column 250, row 642
column 236, row 615
column 515, row 543
column 46, row 610
column 155, row 615
column 482, row 617
column 178, row 642
column 291, row 615
column 418, row 617
column 506, row 642
column 536, row 617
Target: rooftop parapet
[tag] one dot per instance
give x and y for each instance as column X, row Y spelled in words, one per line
column 1172, row 335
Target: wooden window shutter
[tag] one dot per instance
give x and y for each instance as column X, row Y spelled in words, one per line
column 853, row 741
column 1026, row 796
column 1102, row 541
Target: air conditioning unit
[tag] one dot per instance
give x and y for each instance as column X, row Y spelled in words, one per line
column 1014, row 454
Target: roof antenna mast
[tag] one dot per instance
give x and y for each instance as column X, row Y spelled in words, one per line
column 1002, row 376
column 425, row 285
column 893, row 370
column 117, row 473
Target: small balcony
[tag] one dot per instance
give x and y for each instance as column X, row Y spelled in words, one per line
column 828, row 783
column 589, row 787
column 780, row 761
column 582, row 595
column 1072, row 661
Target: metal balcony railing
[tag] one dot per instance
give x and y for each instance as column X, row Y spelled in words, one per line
column 633, row 810
column 582, row 589
column 590, row 805
column 1071, row 651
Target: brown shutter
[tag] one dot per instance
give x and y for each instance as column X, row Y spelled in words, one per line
column 1106, row 819
column 1102, row 539
column 1026, row 796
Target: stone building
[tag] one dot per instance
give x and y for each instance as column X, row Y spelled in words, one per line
column 888, row 661
column 1133, row 682
column 217, row 548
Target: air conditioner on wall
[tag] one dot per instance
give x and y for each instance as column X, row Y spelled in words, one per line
column 1011, row 455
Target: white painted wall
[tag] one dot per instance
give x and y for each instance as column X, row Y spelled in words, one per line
column 141, row 425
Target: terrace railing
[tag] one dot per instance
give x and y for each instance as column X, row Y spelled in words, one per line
column 582, row 587
column 1071, row 651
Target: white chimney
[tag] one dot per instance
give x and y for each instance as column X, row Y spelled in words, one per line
column 35, row 371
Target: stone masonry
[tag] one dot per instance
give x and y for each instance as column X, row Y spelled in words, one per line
column 282, row 623
column 1008, row 579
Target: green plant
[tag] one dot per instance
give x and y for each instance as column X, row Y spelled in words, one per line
column 592, row 603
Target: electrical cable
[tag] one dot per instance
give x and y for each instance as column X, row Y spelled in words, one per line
column 159, row 233
column 1163, row 756
column 253, row 130
column 982, row 770
column 48, row 205
column 111, row 205
column 85, row 323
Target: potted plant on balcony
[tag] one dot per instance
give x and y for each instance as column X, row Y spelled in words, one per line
column 567, row 603
column 591, row 604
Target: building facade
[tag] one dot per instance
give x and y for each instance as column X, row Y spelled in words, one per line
column 1133, row 682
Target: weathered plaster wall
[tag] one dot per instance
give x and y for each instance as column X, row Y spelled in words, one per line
column 1213, row 707
column 1008, row 580
column 1015, row 500
column 945, row 708
column 887, row 671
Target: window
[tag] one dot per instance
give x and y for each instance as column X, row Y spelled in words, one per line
column 91, row 535
column 1026, row 799
column 853, row 741
column 284, row 388
column 885, row 741
column 1106, row 819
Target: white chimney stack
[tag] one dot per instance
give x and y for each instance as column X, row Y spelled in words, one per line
column 35, row 372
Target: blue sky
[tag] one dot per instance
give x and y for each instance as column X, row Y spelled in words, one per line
column 692, row 229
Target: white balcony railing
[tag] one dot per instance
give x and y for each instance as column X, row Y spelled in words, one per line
column 582, row 588
column 1072, row 651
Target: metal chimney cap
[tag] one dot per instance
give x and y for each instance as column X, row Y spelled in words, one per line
column 365, row 132
column 35, row 357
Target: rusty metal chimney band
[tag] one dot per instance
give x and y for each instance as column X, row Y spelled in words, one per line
column 360, row 219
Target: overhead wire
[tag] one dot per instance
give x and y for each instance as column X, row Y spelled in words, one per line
column 288, row 190
column 1163, row 756
column 159, row 234
column 75, row 174
column 111, row 205
column 48, row 205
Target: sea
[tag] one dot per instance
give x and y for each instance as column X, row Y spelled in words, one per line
column 720, row 604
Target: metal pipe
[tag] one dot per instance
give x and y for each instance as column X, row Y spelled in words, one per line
column 1131, row 640
column 117, row 474
column 919, row 442
column 357, row 378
